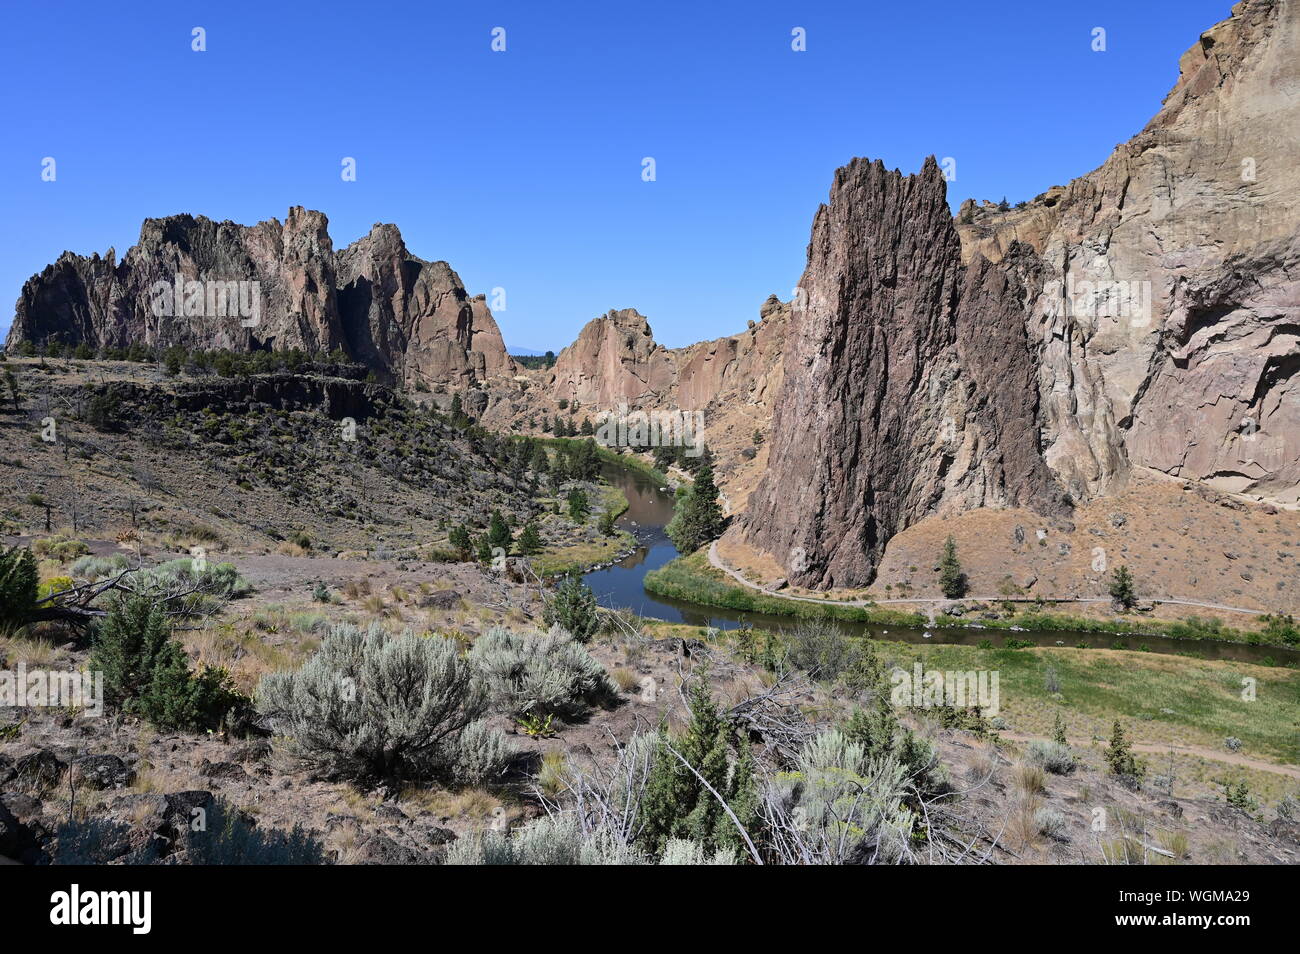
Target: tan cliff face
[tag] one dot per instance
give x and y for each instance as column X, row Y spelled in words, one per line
column 409, row 320
column 1189, row 368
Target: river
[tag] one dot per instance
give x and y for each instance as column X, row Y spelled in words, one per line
column 621, row 586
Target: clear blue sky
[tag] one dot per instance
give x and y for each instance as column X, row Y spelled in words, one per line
column 523, row 168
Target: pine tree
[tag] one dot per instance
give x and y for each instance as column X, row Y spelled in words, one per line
column 578, row 505
column 483, row 549
column 698, row 518
column 678, row 804
column 498, row 534
column 530, row 540
column 1058, row 731
column 1119, row 754
column 573, row 608
column 19, row 577
column 540, row 463
column 952, row 581
column 460, row 541
column 130, row 642
column 743, row 800
column 1121, row 588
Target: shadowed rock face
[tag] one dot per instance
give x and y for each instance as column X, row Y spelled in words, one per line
column 909, row 386
column 405, row 318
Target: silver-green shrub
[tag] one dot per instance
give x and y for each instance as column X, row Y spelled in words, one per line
column 540, row 674
column 546, row 841
column 374, row 705
column 1050, row 822
column 214, row 579
column 1051, row 756
column 97, row 568
column 839, row 806
column 681, row 851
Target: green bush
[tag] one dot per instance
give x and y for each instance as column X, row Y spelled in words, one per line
column 541, row 674
column 147, row 673
column 18, row 582
column 573, row 609
column 370, row 705
column 59, row 548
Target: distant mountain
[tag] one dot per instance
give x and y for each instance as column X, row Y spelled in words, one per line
column 525, row 352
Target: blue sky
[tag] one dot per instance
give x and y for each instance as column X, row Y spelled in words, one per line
column 523, row 168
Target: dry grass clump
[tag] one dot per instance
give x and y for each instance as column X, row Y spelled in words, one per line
column 625, row 679
column 1029, row 778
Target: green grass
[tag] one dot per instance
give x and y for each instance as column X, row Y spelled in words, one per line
column 1170, row 698
column 692, row 578
column 1158, row 698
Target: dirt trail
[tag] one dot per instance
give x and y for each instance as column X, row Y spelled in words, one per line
column 718, row 563
column 1162, row 748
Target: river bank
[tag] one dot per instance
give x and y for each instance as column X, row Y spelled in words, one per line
column 656, row 582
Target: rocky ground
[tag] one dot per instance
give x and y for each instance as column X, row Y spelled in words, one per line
column 60, row 764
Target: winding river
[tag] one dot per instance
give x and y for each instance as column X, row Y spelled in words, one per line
column 621, row 586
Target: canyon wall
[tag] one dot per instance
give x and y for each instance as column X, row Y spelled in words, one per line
column 1166, row 325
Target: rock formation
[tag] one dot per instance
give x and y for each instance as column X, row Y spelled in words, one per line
column 409, row 320
column 614, row 361
column 1188, row 366
column 909, row 385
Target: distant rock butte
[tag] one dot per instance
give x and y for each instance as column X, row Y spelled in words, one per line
column 410, row 320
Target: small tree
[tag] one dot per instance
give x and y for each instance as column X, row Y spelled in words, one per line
column 1119, row 754
column 573, row 608
column 498, row 534
column 1058, row 731
column 952, row 581
column 698, row 518
column 530, row 540
column 18, row 583
column 579, row 508
column 1121, row 588
column 460, row 541
column 678, row 803
column 607, row 523
column 147, row 673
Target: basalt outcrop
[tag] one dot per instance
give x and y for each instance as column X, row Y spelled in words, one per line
column 909, row 383
column 270, row 286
